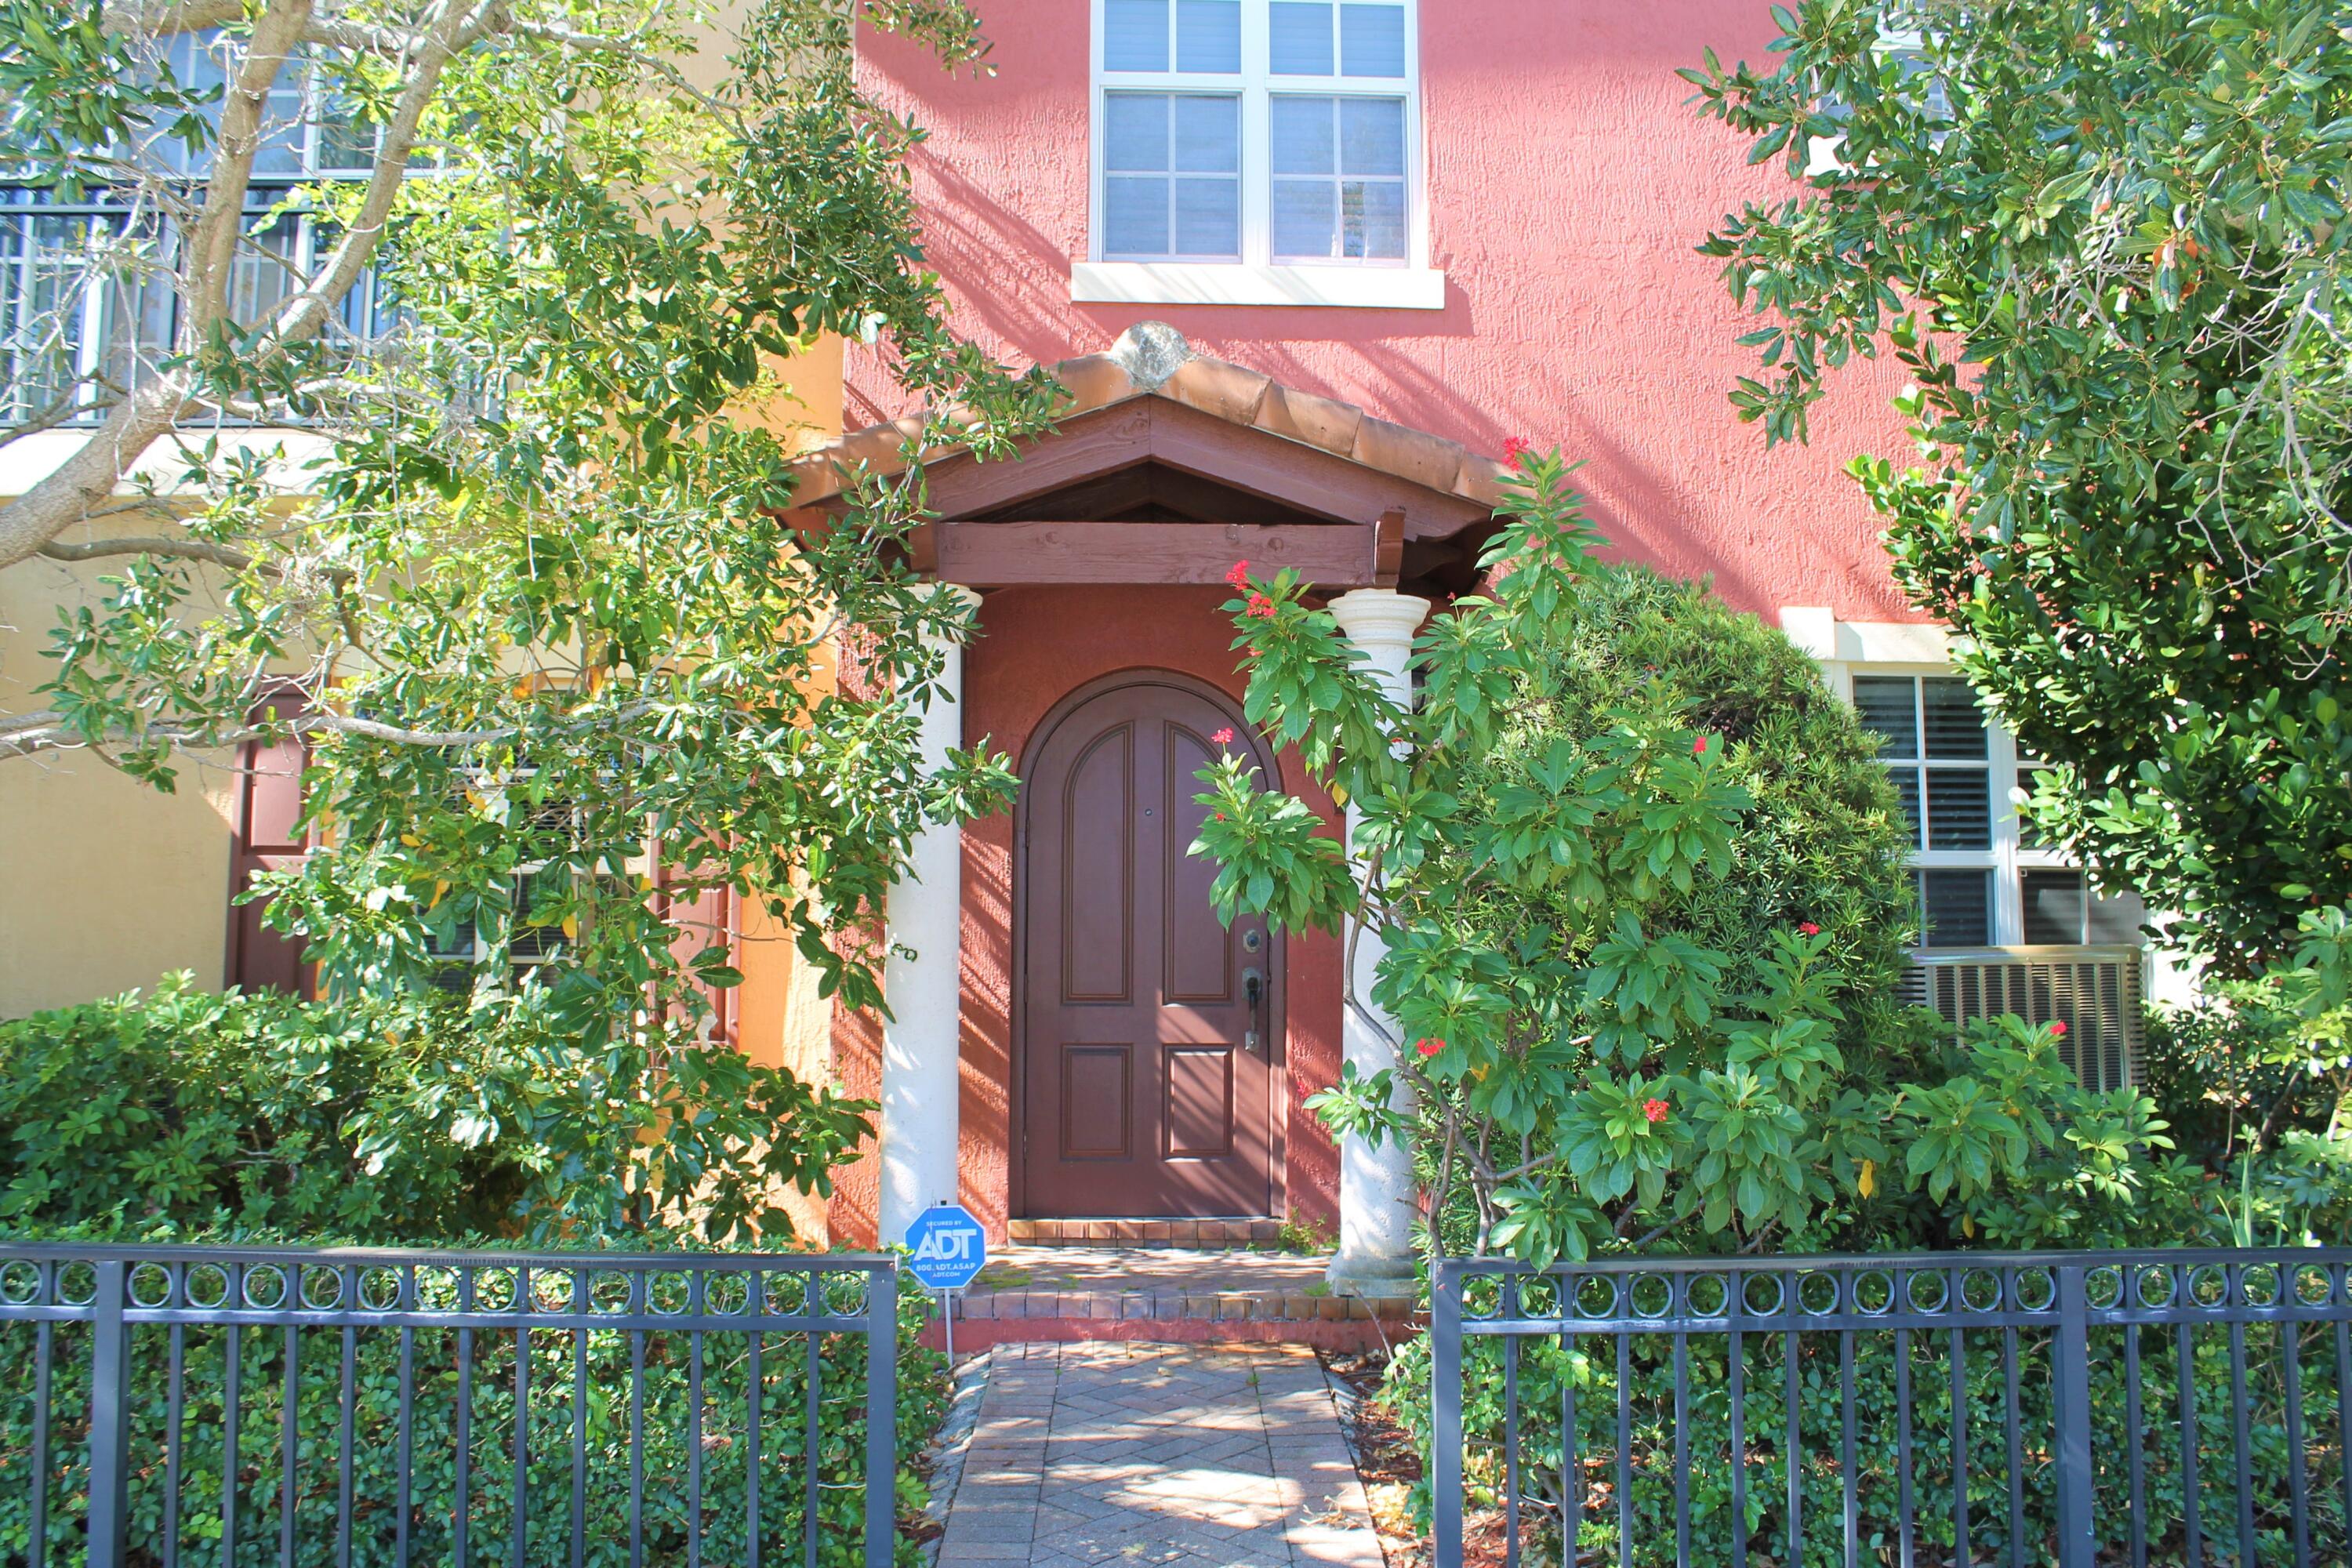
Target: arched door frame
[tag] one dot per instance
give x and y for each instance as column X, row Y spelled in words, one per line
column 1277, row 1032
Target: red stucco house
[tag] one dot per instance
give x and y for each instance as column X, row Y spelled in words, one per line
column 1304, row 267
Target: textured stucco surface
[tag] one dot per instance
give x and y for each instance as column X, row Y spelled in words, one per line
column 1568, row 180
column 1036, row 646
column 105, row 884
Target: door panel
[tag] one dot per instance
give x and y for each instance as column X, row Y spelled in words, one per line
column 268, row 837
column 1147, row 1071
column 1098, row 815
column 1097, row 1081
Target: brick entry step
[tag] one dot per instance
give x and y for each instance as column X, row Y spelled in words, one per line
column 1207, row 1234
column 1048, row 1294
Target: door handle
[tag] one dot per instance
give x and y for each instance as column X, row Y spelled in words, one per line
column 1253, row 993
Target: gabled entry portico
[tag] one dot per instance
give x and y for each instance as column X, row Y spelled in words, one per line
column 1114, row 1049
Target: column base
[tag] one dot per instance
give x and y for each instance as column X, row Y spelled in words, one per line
column 1374, row 1279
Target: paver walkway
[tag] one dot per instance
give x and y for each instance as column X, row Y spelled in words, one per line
column 1172, row 1456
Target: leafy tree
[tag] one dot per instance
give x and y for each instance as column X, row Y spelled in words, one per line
column 2106, row 239
column 1577, row 1069
column 519, row 582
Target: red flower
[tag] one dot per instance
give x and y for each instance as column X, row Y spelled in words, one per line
column 1655, row 1110
column 2057, row 1028
column 1428, row 1047
column 1809, row 927
column 1239, row 574
column 1698, row 747
column 1514, row 448
column 1218, row 815
column 1223, row 737
column 1261, row 607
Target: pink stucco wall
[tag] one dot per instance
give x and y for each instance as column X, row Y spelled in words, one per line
column 1568, row 181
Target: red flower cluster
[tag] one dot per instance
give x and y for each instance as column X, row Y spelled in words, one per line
column 1809, row 927
column 1515, row 448
column 1223, row 737
column 1239, row 574
column 2058, row 1028
column 1655, row 1110
column 1698, row 747
column 1429, row 1046
column 1261, row 607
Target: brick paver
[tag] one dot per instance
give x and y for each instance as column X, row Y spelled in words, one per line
column 1171, row 1456
column 1160, row 1284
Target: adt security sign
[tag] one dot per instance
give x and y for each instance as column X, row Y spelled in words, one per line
column 948, row 1247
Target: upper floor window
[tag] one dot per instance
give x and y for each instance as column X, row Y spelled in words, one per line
column 90, row 302
column 1982, row 875
column 1258, row 132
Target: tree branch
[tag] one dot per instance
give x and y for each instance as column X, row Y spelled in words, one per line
column 178, row 549
column 304, row 314
column 46, row 732
column 158, row 18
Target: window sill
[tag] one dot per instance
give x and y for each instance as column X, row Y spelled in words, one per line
column 1234, row 283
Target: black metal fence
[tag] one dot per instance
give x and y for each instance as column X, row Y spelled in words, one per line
column 243, row 1405
column 2148, row 1407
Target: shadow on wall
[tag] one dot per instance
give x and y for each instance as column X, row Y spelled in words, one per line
column 985, row 1136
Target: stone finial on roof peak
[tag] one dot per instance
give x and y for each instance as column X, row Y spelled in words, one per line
column 1150, row 351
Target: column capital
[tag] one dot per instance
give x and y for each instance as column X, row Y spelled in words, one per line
column 1380, row 618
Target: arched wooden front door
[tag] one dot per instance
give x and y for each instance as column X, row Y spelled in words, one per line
column 1149, row 1035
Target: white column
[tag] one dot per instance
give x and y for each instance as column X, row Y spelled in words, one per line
column 1376, row 1190
column 921, row 1084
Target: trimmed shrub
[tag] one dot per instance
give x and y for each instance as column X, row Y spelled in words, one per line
column 1825, row 840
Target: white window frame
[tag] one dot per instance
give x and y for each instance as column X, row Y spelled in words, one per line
column 2009, row 857
column 1255, row 279
column 1826, row 154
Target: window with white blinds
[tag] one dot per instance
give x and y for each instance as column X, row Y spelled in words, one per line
column 1273, row 132
column 1982, row 875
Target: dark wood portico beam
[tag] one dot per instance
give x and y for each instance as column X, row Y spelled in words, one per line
column 1007, row 554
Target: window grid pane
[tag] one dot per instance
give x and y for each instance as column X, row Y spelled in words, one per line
column 1135, row 35
column 1299, row 38
column 1960, row 808
column 2053, row 908
column 1888, row 708
column 1209, row 36
column 1955, row 908
column 1172, row 185
column 1371, row 40
column 1953, row 721
column 1354, row 207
